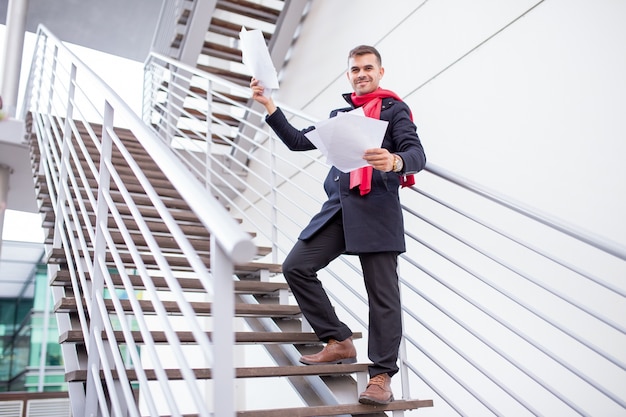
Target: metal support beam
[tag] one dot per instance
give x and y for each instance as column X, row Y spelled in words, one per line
column 5, row 173
column 13, row 46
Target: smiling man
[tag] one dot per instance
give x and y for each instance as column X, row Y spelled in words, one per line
column 363, row 217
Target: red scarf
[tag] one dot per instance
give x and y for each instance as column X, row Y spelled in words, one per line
column 372, row 104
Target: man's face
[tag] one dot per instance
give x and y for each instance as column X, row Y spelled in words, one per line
column 364, row 73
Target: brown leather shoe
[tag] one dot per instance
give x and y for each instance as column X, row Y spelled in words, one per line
column 378, row 391
column 334, row 352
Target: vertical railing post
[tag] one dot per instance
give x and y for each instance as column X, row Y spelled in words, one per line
column 224, row 335
column 28, row 91
column 209, row 136
column 72, row 362
column 165, row 119
column 99, row 253
column 402, row 355
column 43, row 358
column 32, row 100
column 274, row 209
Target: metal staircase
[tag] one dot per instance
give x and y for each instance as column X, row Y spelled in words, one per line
column 138, row 268
column 488, row 284
column 199, row 238
column 129, row 250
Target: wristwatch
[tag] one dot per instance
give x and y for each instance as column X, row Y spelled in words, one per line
column 397, row 163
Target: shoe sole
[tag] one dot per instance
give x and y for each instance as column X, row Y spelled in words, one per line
column 337, row 362
column 371, row 401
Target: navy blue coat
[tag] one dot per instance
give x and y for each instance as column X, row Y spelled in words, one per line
column 373, row 222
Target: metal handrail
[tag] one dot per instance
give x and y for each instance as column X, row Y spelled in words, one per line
column 601, row 243
column 62, row 94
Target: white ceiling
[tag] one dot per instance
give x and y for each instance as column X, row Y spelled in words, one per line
column 118, row 27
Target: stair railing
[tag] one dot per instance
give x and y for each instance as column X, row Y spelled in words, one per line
column 77, row 119
column 496, row 295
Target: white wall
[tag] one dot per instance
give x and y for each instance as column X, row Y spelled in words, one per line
column 530, row 105
column 526, row 98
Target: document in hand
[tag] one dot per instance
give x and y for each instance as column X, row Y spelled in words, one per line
column 345, row 138
column 256, row 57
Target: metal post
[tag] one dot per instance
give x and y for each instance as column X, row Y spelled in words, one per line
column 13, row 47
column 41, row 377
column 224, row 335
column 97, row 280
column 209, row 137
column 5, row 174
column 274, row 209
column 404, row 371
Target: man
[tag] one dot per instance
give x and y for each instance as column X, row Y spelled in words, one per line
column 362, row 216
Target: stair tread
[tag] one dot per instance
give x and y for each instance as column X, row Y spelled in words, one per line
column 249, row 9
column 244, row 372
column 57, row 256
column 63, row 278
column 169, row 244
column 333, row 410
column 69, row 304
column 76, row 336
column 231, row 30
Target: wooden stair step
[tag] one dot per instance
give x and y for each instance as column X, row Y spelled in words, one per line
column 215, row 138
column 184, row 17
column 215, row 95
column 76, row 336
column 157, row 226
column 57, row 256
column 235, row 77
column 126, row 135
column 162, row 187
column 143, row 200
column 131, row 145
column 69, row 305
column 63, row 278
column 334, row 410
column 231, row 30
column 221, row 51
column 246, row 372
column 189, row 228
column 170, row 245
column 166, row 243
column 140, row 199
column 202, row 117
column 148, row 168
column 249, row 9
column 149, row 214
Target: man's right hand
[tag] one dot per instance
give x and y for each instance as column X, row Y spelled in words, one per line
column 257, row 95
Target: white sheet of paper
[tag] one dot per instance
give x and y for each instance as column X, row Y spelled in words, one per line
column 345, row 138
column 357, row 112
column 314, row 137
column 256, row 57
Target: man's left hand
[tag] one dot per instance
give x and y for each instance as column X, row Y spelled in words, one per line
column 379, row 158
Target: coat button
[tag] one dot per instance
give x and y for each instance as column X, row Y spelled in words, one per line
column 336, row 178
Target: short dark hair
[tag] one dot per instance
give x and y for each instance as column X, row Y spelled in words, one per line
column 363, row 50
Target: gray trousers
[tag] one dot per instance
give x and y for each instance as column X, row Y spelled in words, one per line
column 381, row 283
